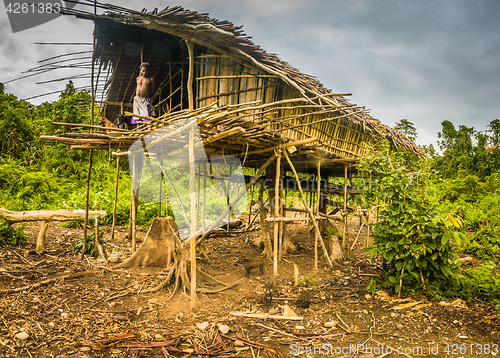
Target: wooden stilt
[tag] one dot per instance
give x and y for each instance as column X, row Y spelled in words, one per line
column 345, row 241
column 311, row 215
column 116, row 197
column 194, row 220
column 160, row 195
column 204, row 201
column 87, row 194
column 250, row 202
column 277, row 197
column 190, row 47
column 86, row 221
column 318, row 193
column 134, row 197
column 192, row 175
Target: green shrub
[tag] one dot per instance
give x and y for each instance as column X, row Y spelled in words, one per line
column 415, row 240
column 10, row 236
column 90, row 245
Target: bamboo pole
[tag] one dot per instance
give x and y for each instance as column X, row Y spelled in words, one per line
column 116, row 197
column 277, row 198
column 203, row 213
column 311, row 215
column 134, row 201
column 345, row 242
column 317, row 214
column 87, row 194
column 250, row 202
column 194, row 220
column 190, row 47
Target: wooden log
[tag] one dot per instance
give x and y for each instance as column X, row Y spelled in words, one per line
column 48, row 215
column 40, row 242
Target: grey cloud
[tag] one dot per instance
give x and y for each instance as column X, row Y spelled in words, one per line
column 12, row 49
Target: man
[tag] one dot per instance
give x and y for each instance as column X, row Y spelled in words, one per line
column 143, row 93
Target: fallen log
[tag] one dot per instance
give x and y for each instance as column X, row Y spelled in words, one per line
column 48, row 215
column 45, row 216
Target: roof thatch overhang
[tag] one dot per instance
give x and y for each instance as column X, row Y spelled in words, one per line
column 315, row 124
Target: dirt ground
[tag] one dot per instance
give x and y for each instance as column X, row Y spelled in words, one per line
column 98, row 312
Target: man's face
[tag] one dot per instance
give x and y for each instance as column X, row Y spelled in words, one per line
column 143, row 72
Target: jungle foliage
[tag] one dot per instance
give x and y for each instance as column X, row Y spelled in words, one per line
column 433, row 209
column 436, row 208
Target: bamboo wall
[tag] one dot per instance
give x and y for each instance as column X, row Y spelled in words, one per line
column 222, row 81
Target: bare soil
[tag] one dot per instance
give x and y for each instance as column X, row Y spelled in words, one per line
column 103, row 313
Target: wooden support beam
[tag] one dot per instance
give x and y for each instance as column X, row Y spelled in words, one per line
column 325, row 251
column 190, row 47
column 194, row 219
column 345, row 241
column 318, row 200
column 277, row 204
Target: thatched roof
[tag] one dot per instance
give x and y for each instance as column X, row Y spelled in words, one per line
column 338, row 126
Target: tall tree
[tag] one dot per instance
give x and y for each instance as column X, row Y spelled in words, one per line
column 406, row 128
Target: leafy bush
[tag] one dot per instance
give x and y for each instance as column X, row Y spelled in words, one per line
column 90, row 245
column 10, row 236
column 481, row 282
column 415, row 240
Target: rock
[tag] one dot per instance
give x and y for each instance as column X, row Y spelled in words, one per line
column 288, row 312
column 22, row 336
column 64, row 315
column 459, row 303
column 158, row 337
column 366, row 312
column 382, row 296
column 239, row 343
column 400, row 326
column 393, row 314
column 51, row 324
column 299, row 328
column 223, row 328
column 189, row 350
column 368, row 297
column 202, row 326
column 330, row 324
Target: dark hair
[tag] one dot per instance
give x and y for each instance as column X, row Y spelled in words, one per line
column 145, row 64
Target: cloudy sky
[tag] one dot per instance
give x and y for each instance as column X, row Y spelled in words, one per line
column 426, row 61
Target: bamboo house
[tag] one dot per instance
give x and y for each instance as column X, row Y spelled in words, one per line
column 246, row 103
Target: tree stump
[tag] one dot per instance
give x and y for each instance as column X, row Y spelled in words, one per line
column 158, row 247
